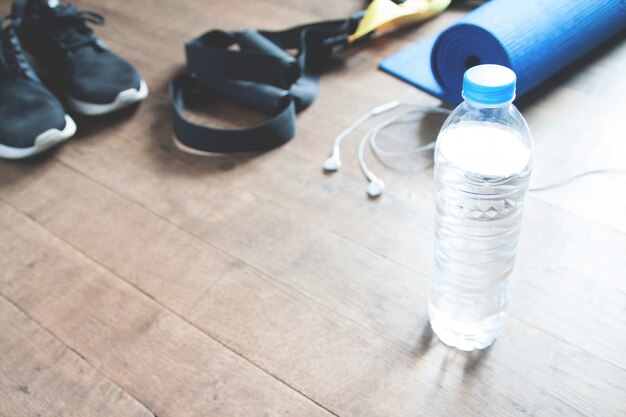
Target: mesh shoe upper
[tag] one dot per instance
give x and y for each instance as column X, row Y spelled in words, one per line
column 27, row 108
column 70, row 53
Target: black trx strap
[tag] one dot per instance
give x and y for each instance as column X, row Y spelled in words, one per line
column 260, row 75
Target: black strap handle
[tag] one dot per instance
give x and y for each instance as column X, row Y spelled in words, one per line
column 260, row 75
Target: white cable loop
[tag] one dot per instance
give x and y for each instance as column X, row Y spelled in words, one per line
column 333, row 163
column 376, row 185
column 419, row 111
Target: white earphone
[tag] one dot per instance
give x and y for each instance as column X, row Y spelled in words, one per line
column 333, row 163
column 376, row 185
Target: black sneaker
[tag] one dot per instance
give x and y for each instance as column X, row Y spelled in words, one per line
column 64, row 48
column 31, row 118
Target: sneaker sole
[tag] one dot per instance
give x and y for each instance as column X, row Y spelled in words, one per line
column 123, row 99
column 44, row 141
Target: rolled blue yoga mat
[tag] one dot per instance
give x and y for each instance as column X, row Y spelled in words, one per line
column 535, row 38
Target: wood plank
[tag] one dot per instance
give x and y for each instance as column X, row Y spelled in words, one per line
column 314, row 289
column 592, row 198
column 40, row 376
column 508, row 379
column 270, row 323
column 310, row 177
column 207, row 203
column 160, row 359
column 351, row 226
column 355, row 227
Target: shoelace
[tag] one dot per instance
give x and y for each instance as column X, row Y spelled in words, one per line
column 70, row 24
column 12, row 58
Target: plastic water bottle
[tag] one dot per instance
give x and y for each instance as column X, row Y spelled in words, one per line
column 483, row 161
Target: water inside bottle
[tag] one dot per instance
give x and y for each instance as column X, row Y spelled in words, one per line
column 482, row 173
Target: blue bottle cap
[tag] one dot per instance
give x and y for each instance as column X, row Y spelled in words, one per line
column 489, row 84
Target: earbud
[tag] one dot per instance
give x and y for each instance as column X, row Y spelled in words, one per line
column 375, row 187
column 333, row 163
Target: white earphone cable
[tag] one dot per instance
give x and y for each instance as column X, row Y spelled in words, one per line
column 577, row 176
column 373, row 135
column 333, row 163
column 376, row 185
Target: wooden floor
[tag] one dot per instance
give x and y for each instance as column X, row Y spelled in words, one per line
column 136, row 280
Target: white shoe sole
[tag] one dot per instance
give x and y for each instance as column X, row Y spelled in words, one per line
column 44, row 141
column 123, row 99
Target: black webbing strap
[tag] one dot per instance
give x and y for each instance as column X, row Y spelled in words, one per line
column 260, row 75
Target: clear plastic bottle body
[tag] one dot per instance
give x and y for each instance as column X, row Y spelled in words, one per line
column 483, row 161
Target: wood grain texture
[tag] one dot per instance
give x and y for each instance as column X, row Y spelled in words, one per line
column 170, row 366
column 40, row 376
column 256, row 285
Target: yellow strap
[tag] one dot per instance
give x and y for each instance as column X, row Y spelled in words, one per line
column 383, row 15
